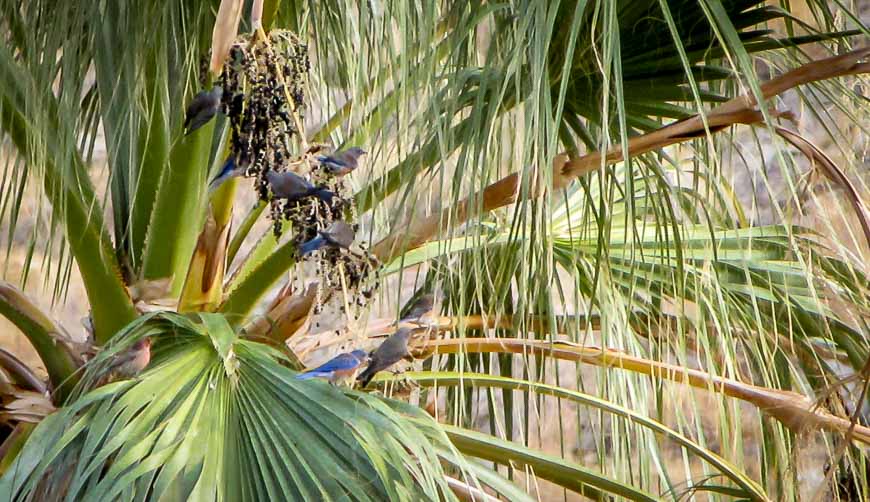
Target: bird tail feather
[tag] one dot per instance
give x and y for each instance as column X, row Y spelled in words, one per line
column 217, row 182
column 365, row 377
column 324, row 195
column 311, row 374
column 310, row 246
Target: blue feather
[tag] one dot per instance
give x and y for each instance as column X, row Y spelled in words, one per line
column 324, row 195
column 229, row 165
column 311, row 246
column 342, row 362
column 229, row 170
column 341, row 163
column 346, row 361
column 308, row 375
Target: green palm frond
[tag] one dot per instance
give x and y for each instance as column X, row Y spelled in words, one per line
column 238, row 426
column 749, row 488
column 665, row 52
column 748, row 268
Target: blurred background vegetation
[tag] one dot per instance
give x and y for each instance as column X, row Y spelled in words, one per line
column 691, row 322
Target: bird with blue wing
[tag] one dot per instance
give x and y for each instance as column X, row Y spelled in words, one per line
column 289, row 185
column 341, row 368
column 338, row 234
column 343, row 162
column 230, row 169
column 203, row 108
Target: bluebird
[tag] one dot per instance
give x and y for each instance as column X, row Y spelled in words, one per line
column 130, row 362
column 422, row 306
column 341, row 163
column 291, row 186
column 342, row 367
column 229, row 170
column 391, row 351
column 203, row 108
column 339, row 234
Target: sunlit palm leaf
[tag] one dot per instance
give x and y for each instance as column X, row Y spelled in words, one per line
column 220, row 418
column 750, row 488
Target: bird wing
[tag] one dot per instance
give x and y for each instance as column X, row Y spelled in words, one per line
column 338, row 363
column 341, row 234
column 342, row 158
column 287, row 184
column 228, row 167
column 201, row 102
column 308, row 375
column 393, row 349
column 121, row 359
column 192, row 111
column 367, row 374
column 311, row 245
column 422, row 306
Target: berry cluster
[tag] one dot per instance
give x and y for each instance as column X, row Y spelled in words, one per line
column 263, row 85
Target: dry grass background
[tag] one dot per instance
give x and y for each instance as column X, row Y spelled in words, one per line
column 824, row 209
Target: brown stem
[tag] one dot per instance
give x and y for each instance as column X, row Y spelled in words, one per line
column 740, row 110
column 202, row 289
column 417, row 233
column 288, row 315
column 564, row 325
column 793, row 410
column 832, row 172
column 20, row 373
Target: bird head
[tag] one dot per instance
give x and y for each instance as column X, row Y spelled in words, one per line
column 356, row 152
column 142, row 344
column 360, row 355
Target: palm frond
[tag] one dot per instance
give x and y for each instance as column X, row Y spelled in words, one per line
column 238, row 427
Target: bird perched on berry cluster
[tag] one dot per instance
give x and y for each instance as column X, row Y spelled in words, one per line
column 338, row 234
column 289, row 185
column 341, row 163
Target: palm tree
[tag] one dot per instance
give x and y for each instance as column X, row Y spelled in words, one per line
column 558, row 174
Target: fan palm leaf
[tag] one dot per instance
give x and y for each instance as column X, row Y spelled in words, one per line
column 238, row 426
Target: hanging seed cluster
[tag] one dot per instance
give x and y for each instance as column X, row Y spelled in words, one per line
column 264, row 98
column 346, row 270
column 338, row 269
